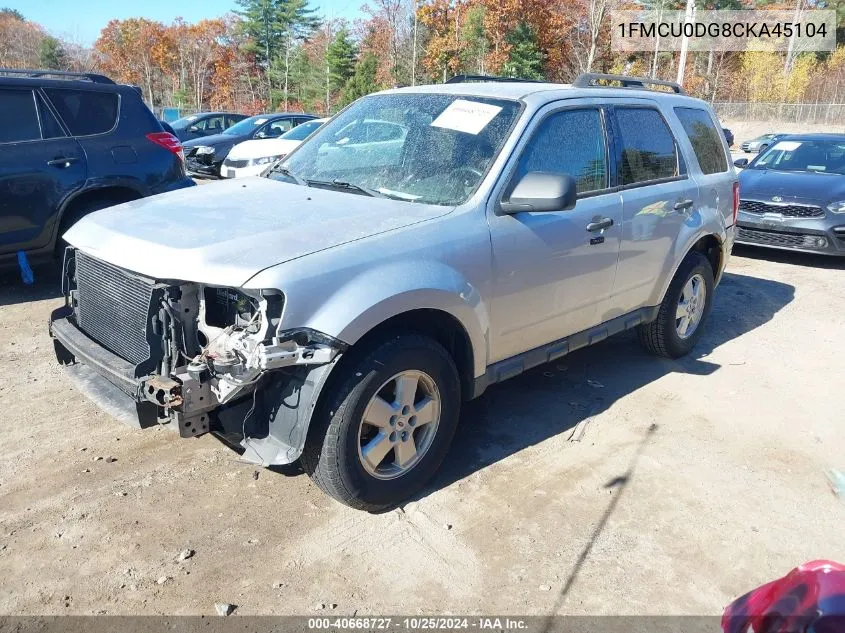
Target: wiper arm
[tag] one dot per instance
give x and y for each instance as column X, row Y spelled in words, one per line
column 277, row 168
column 342, row 184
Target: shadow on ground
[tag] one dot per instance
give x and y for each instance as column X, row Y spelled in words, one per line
column 810, row 260
column 554, row 398
column 47, row 285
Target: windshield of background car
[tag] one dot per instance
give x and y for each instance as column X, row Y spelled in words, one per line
column 247, row 125
column 183, row 122
column 427, row 148
column 301, row 131
column 813, row 156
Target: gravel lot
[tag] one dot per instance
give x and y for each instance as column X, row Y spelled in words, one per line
column 693, row 481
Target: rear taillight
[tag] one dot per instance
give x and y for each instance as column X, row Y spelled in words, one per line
column 167, row 141
column 736, row 200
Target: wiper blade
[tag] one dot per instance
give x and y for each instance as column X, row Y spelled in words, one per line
column 349, row 186
column 278, row 169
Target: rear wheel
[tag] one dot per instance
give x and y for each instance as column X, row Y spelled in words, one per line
column 682, row 313
column 387, row 425
column 762, row 149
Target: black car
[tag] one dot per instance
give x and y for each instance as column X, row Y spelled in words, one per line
column 72, row 143
column 792, row 196
column 204, row 124
column 204, row 156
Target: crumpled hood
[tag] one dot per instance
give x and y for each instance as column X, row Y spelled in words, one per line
column 214, row 140
column 259, row 148
column 798, row 186
column 225, row 232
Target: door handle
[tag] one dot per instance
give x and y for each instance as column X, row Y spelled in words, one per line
column 683, row 205
column 604, row 223
column 62, row 162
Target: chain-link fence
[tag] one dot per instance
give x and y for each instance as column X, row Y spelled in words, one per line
column 832, row 113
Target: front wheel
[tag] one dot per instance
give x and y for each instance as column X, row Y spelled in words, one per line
column 386, row 427
column 684, row 309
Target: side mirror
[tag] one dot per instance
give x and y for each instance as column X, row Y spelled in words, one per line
column 261, row 135
column 740, row 162
column 541, row 191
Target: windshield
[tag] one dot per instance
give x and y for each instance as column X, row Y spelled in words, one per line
column 823, row 156
column 301, row 131
column 428, row 148
column 247, row 125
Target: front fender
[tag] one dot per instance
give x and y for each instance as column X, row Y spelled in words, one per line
column 373, row 295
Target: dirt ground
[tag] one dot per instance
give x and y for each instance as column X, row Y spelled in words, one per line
column 693, row 481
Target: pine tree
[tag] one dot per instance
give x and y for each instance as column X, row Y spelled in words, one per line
column 364, row 81
column 51, row 54
column 340, row 58
column 525, row 59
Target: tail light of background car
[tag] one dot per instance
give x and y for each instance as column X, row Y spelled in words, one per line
column 167, row 141
column 736, row 200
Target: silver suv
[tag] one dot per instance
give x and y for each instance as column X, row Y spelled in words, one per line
column 424, row 244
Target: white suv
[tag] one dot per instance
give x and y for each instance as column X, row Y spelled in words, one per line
column 339, row 309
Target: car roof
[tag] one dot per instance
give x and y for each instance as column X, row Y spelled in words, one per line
column 537, row 91
column 818, row 136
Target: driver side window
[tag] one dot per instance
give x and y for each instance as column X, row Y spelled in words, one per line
column 569, row 142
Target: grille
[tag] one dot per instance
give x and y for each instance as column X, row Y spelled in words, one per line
column 773, row 238
column 786, row 210
column 112, row 307
column 236, row 163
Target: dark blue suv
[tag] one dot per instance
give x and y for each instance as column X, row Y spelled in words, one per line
column 70, row 144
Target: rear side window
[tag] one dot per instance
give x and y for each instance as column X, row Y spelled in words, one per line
column 569, row 142
column 704, row 138
column 50, row 127
column 85, row 112
column 19, row 121
column 648, row 147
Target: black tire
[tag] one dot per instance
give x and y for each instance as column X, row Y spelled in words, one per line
column 762, row 149
column 660, row 337
column 330, row 456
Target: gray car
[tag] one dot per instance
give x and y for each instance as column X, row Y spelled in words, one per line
column 759, row 144
column 339, row 309
column 793, row 195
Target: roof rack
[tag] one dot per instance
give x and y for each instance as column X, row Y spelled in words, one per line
column 588, row 80
column 460, row 79
column 92, row 77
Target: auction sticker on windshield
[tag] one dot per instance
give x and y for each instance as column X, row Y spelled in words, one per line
column 787, row 146
column 466, row 116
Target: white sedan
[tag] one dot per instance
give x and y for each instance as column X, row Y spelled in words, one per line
column 252, row 157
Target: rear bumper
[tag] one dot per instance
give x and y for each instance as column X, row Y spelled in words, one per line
column 824, row 236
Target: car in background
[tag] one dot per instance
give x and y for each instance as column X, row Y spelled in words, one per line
column 729, row 136
column 760, row 144
column 792, row 196
column 204, row 124
column 252, row 157
column 70, row 144
column 205, row 156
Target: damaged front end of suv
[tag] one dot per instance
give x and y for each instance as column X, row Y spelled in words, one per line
column 198, row 357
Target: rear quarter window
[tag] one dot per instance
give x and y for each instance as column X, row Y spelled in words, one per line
column 85, row 112
column 705, row 140
column 20, row 119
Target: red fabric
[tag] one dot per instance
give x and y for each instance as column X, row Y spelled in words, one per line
column 809, row 599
